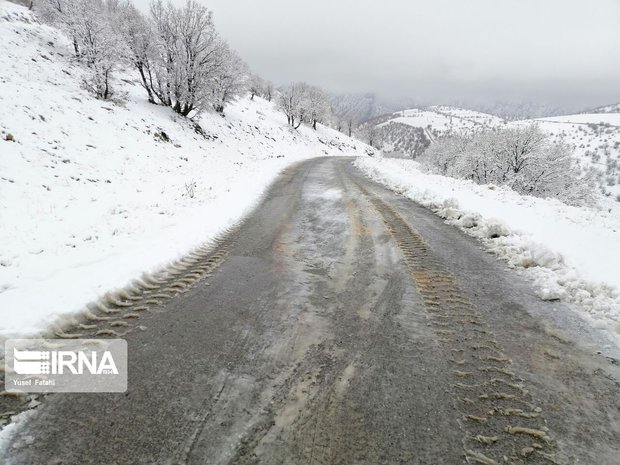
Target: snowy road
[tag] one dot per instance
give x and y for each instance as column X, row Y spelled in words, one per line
column 341, row 324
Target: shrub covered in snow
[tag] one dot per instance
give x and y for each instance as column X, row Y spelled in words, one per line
column 523, row 158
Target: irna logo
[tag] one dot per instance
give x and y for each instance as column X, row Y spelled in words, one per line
column 59, row 362
column 65, row 365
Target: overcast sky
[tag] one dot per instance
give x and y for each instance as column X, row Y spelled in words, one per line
column 564, row 52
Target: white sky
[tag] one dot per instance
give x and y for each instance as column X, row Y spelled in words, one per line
column 565, row 52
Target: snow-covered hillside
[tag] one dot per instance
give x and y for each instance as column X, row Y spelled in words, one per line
column 93, row 193
column 570, row 253
column 444, row 120
column 409, row 132
column 596, row 139
column 614, row 108
column 595, row 136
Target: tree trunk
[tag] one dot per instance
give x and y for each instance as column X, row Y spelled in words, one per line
column 145, row 84
column 106, row 86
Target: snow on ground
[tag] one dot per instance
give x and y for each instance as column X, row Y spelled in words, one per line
column 441, row 120
column 407, row 133
column 594, row 136
column 596, row 140
column 7, row 432
column 94, row 193
column 569, row 253
column 613, row 108
column 585, row 118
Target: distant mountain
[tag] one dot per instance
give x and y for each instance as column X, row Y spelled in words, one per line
column 360, row 107
column 614, row 108
column 512, row 111
column 408, row 132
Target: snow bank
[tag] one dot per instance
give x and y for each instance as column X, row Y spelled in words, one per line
column 569, row 253
column 93, row 193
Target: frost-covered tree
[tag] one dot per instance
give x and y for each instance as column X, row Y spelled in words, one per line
column 231, row 79
column 368, row 133
column 302, row 103
column 100, row 45
column 181, row 59
column 188, row 53
column 268, row 91
column 256, row 86
column 95, row 41
column 523, row 158
column 291, row 102
column 351, row 123
column 62, row 14
column 317, row 105
column 137, row 34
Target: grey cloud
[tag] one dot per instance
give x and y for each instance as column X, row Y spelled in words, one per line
column 564, row 52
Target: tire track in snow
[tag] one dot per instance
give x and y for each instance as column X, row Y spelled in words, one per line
column 121, row 310
column 501, row 422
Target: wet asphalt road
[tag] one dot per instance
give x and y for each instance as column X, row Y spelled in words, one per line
column 339, row 324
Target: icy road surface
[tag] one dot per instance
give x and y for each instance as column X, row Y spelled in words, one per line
column 339, row 324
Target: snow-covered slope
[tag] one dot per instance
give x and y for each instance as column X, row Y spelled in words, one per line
column 569, row 253
column 518, row 110
column 93, row 193
column 595, row 136
column 409, row 132
column 614, row 108
column 596, row 140
column 443, row 120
